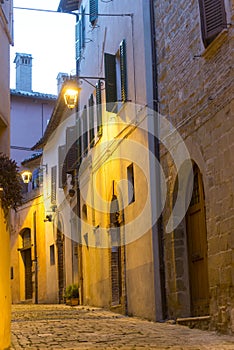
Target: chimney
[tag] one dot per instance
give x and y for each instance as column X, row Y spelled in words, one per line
column 23, row 63
column 61, row 78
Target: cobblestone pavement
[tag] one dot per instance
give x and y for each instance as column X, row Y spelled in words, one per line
column 64, row 327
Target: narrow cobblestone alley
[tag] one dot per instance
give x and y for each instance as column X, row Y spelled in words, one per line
column 64, row 327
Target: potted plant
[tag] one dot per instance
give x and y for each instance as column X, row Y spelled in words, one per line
column 72, row 295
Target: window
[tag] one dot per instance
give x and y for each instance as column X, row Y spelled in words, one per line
column 131, row 189
column 52, row 255
column 93, row 10
column 37, row 178
column 53, row 184
column 213, row 19
column 26, row 237
column 12, row 272
column 116, row 77
column 111, row 84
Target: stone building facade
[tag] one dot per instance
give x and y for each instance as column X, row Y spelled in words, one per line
column 196, row 95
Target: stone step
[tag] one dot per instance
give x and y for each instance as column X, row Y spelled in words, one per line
column 200, row 322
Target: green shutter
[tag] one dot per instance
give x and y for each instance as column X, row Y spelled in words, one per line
column 213, row 19
column 82, row 27
column 99, row 107
column 123, row 71
column 93, row 10
column 62, row 166
column 111, row 87
column 91, row 121
column 85, row 131
column 71, row 149
column 79, row 141
column 78, row 38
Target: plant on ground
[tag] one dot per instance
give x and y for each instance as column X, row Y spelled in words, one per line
column 71, row 291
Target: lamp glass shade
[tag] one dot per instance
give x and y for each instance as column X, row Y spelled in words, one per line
column 26, row 176
column 71, row 97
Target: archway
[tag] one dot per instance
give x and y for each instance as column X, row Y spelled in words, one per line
column 197, row 248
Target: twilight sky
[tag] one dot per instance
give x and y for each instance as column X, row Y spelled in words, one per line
column 49, row 38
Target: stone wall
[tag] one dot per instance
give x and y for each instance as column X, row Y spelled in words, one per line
column 196, row 95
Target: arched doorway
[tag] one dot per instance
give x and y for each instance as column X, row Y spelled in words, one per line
column 197, row 248
column 60, row 259
column 116, row 278
column 27, row 260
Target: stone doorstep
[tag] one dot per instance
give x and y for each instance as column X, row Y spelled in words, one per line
column 201, row 322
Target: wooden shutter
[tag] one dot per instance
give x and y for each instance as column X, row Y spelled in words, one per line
column 62, row 166
column 71, row 148
column 53, row 184
column 78, row 38
column 213, row 19
column 111, row 87
column 123, row 71
column 82, row 27
column 79, row 141
column 91, row 121
column 85, row 130
column 93, row 10
column 99, row 107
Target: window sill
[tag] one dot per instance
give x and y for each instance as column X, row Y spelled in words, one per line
column 215, row 45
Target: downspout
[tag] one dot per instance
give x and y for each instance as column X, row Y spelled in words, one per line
column 78, row 213
column 35, row 255
column 159, row 224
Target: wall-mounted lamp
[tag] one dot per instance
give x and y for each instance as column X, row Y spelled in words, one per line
column 48, row 218
column 71, row 97
column 72, row 90
column 26, row 176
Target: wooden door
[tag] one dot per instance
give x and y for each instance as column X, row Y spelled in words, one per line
column 28, row 273
column 197, row 249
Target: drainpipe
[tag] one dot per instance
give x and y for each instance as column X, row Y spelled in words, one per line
column 158, row 227
column 35, row 255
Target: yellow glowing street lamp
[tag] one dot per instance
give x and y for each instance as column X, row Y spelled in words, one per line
column 26, row 176
column 72, row 90
column 71, row 97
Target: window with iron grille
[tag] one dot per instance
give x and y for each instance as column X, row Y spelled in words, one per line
column 93, row 10
column 213, row 19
